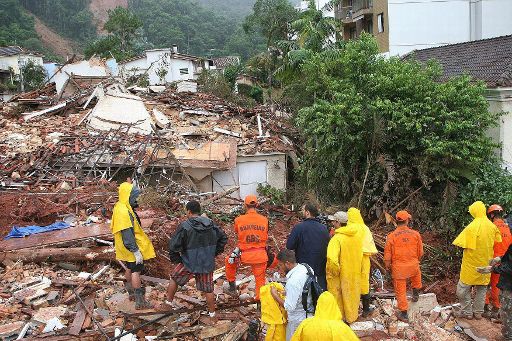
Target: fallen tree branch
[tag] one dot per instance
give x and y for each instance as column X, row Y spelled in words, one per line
column 78, row 254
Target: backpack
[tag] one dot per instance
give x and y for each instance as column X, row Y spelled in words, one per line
column 311, row 287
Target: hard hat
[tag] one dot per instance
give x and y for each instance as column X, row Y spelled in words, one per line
column 494, row 208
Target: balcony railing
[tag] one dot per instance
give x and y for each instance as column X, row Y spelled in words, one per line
column 358, row 5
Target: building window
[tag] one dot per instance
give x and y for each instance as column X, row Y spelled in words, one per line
column 380, row 22
column 184, row 71
column 369, row 26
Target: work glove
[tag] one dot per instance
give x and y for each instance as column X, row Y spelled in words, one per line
column 494, row 261
column 484, row 269
column 138, row 257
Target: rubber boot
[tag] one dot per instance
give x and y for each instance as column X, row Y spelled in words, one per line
column 415, row 295
column 231, row 291
column 140, row 300
column 129, row 289
column 495, row 313
column 402, row 316
column 366, row 305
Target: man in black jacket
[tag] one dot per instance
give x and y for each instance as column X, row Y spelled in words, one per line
column 193, row 248
column 503, row 266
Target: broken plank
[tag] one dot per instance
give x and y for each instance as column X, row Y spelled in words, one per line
column 54, row 237
column 236, row 333
column 154, row 279
column 227, row 132
column 220, row 328
column 77, row 254
column 188, row 299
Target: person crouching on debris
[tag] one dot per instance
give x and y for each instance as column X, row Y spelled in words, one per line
column 402, row 255
column 326, row 325
column 132, row 245
column 193, row 248
column 251, row 229
column 477, row 240
column 503, row 266
column 495, row 213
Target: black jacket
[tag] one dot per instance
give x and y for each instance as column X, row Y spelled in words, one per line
column 195, row 243
column 504, row 268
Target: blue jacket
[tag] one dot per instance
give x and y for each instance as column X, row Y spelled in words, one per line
column 309, row 240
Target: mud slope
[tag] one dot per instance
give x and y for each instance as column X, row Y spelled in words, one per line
column 99, row 9
column 60, row 45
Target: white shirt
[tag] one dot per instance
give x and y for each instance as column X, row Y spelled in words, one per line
column 296, row 278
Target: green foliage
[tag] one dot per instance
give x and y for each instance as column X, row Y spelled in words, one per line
column 254, row 92
column 16, row 26
column 124, row 40
column 271, row 18
column 33, row 75
column 238, row 9
column 244, row 44
column 276, row 196
column 378, row 128
column 70, row 18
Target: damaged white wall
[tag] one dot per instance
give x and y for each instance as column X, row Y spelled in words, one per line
column 249, row 172
column 162, row 66
column 91, row 67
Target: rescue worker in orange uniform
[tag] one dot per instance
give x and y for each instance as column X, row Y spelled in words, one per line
column 495, row 213
column 251, row 229
column 402, row 254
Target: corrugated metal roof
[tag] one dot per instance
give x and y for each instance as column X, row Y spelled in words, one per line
column 7, row 51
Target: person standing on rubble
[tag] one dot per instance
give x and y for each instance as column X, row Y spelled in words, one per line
column 477, row 240
column 495, row 213
column 309, row 240
column 344, row 267
column 193, row 247
column 402, row 255
column 251, row 229
column 296, row 277
column 503, row 266
column 132, row 245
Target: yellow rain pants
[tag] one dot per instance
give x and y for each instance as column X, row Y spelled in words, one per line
column 326, row 325
column 121, row 221
column 345, row 265
column 477, row 240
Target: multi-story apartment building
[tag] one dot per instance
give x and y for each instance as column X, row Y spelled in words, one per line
column 401, row 26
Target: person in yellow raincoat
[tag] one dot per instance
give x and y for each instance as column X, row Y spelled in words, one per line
column 345, row 265
column 273, row 314
column 477, row 240
column 369, row 249
column 326, row 325
column 132, row 245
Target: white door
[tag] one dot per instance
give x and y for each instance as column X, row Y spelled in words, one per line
column 247, row 175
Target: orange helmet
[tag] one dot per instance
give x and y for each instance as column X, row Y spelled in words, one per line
column 494, row 208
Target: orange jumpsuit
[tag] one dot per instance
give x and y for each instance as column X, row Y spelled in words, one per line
column 252, row 231
column 403, row 250
column 499, row 250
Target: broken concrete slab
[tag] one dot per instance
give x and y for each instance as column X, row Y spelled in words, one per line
column 10, row 329
column 222, row 327
column 426, row 303
column 44, row 315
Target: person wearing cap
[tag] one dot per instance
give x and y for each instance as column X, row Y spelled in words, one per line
column 338, row 219
column 251, row 229
column 345, row 264
column 492, row 300
column 477, row 239
column 402, row 255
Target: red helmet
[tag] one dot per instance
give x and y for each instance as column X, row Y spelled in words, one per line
column 494, row 208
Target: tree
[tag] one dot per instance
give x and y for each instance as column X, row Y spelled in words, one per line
column 124, row 25
column 377, row 129
column 271, row 18
column 32, row 76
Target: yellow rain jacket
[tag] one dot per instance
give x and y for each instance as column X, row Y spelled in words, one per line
column 121, row 221
column 369, row 249
column 345, row 265
column 477, row 240
column 326, row 325
column 272, row 313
